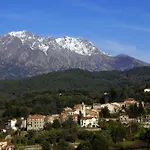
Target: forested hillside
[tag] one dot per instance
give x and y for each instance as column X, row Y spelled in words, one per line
column 50, row 93
column 77, row 80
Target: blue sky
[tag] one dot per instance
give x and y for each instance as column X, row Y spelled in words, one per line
column 114, row 26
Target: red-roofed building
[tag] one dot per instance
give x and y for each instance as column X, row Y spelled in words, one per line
column 35, row 122
column 131, row 101
column 6, row 145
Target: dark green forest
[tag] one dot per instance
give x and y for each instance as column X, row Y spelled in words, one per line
column 77, row 80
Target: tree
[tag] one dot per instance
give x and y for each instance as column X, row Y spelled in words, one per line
column 118, row 133
column 62, row 145
column 93, row 141
column 48, row 126
column 69, row 123
column 132, row 111
column 45, row 145
column 147, row 137
column 85, row 135
column 19, row 122
column 105, row 113
column 99, row 142
column 84, row 146
column 16, row 112
column 135, row 110
column 56, row 124
column 113, row 94
column 31, row 134
column 141, row 108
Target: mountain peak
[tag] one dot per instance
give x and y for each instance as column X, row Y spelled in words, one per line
column 32, row 40
column 78, row 45
column 19, row 34
column 23, row 35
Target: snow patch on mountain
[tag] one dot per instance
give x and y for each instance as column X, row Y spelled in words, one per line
column 34, row 41
column 79, row 46
column 19, row 34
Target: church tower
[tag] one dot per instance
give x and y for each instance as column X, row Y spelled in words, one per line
column 83, row 109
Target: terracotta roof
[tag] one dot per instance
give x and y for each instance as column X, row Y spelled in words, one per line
column 91, row 112
column 67, row 109
column 36, row 117
column 87, row 117
column 130, row 99
column 75, row 115
column 56, row 116
column 77, row 106
column 3, row 140
column 9, row 144
column 53, row 116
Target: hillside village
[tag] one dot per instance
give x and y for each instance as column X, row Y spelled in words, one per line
column 87, row 116
column 74, row 75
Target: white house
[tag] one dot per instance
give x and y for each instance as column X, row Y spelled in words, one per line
column 124, row 119
column 146, row 90
column 97, row 107
column 146, row 124
column 24, row 124
column 112, row 107
column 12, row 123
column 89, row 122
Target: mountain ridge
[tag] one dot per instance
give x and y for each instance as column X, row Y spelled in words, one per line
column 23, row 54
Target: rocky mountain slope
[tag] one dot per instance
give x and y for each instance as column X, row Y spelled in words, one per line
column 23, row 54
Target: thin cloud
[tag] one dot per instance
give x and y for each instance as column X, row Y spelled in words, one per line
column 94, row 7
column 132, row 27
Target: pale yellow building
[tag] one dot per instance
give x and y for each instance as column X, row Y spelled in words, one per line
column 35, row 122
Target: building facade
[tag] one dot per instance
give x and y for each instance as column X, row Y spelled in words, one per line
column 35, row 122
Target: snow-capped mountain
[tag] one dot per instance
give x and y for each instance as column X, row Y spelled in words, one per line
column 23, row 54
column 78, row 45
column 34, row 41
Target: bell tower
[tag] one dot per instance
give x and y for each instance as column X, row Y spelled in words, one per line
column 83, row 109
